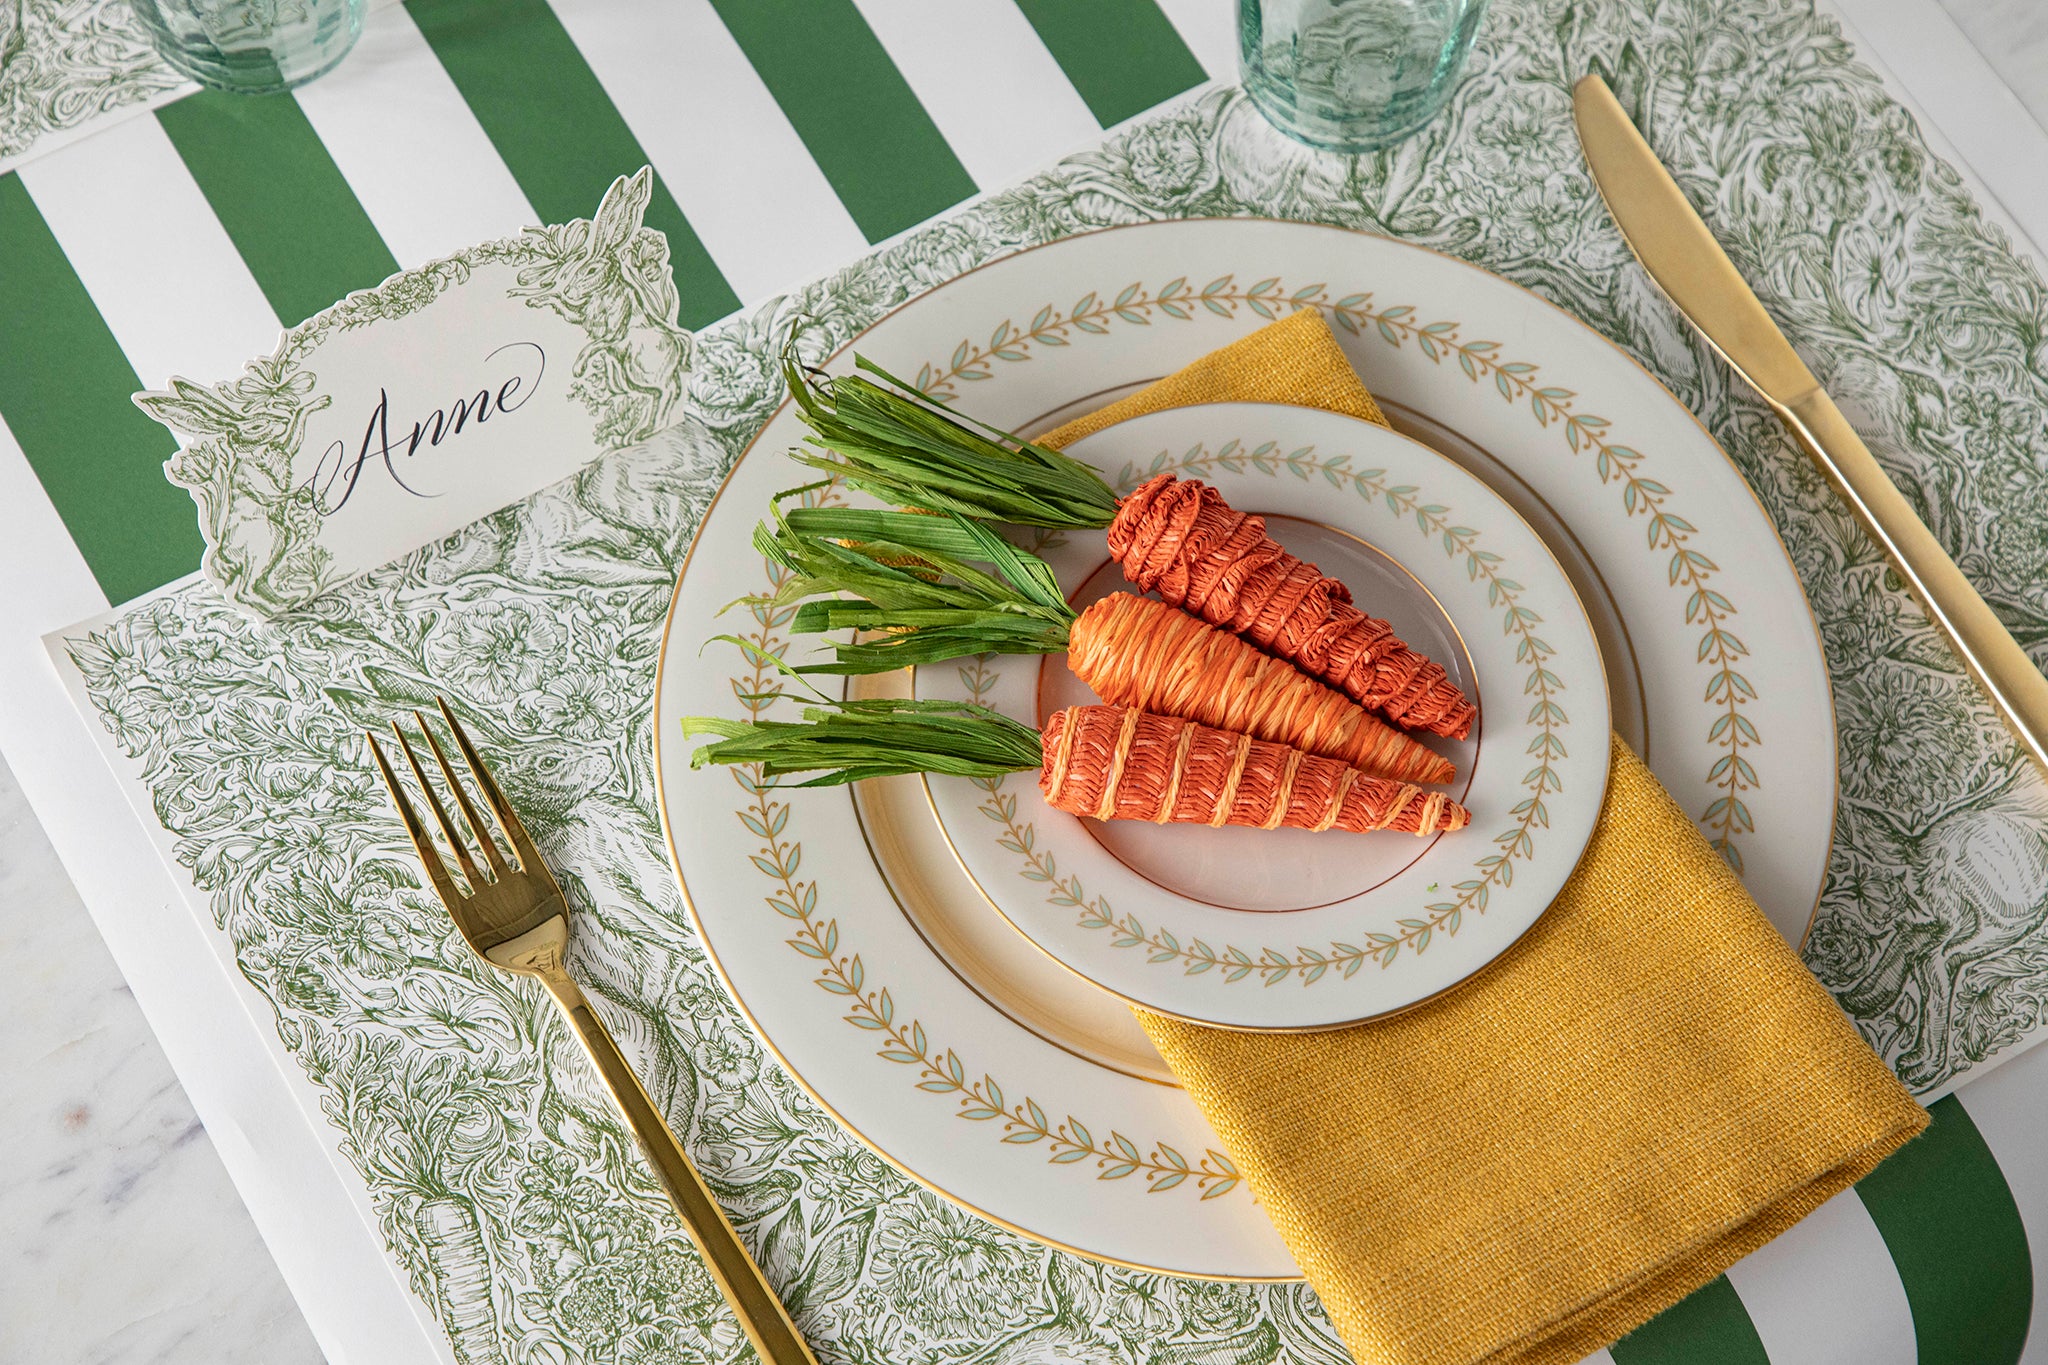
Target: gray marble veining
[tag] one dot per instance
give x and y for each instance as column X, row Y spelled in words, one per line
column 2013, row 36
column 124, row 1242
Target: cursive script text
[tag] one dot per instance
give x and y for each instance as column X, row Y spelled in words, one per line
column 336, row 476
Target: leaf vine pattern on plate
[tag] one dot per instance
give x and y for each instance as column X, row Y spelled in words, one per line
column 1729, row 692
column 1340, row 960
column 841, row 972
column 522, row 1219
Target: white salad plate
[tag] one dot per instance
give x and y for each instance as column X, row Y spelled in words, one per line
column 872, row 965
column 1290, row 929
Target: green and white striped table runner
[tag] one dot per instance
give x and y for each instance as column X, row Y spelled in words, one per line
column 787, row 138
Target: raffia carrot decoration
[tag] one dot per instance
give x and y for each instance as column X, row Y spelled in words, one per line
column 1119, row 763
column 945, row 587
column 1180, row 539
column 1177, row 537
column 1103, row 762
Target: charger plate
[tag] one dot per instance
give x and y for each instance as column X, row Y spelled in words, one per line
column 878, row 974
column 1289, row 929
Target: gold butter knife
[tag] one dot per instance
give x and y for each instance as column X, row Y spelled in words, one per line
column 1680, row 253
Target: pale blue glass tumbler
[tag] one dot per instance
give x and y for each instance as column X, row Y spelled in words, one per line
column 1354, row 75
column 252, row 47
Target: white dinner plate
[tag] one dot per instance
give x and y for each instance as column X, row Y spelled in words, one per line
column 1289, row 929
column 868, row 961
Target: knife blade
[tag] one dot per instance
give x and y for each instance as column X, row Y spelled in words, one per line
column 1682, row 256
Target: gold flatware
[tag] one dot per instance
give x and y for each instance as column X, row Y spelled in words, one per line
column 514, row 918
column 1680, row 252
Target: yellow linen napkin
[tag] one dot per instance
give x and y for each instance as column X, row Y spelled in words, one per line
column 1646, row 1088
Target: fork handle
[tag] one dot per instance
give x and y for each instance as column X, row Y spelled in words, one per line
column 753, row 1299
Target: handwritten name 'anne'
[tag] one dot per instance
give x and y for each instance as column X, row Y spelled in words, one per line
column 338, row 469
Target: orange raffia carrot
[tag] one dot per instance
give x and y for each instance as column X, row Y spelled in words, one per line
column 1179, row 538
column 941, row 588
column 1104, row 762
column 1134, row 651
column 1119, row 763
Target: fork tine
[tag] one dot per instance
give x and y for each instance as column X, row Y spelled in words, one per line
column 529, row 856
column 422, row 842
column 469, row 810
column 455, row 841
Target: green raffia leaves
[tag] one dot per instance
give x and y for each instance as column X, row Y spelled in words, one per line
column 910, row 451
column 846, row 741
column 941, row 587
column 949, row 538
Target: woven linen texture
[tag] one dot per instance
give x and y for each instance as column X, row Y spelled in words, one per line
column 1646, row 1088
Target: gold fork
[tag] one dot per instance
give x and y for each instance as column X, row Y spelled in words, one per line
column 515, row 919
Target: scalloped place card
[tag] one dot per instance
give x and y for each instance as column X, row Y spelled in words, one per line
column 405, row 412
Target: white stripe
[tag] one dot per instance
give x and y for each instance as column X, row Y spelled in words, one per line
column 57, row 139
column 1209, row 28
column 1599, row 1357
column 1826, row 1292
column 1005, row 106
column 2010, row 1108
column 737, row 169
column 159, row 266
column 419, row 162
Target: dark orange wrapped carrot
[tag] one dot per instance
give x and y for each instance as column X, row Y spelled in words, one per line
column 943, row 587
column 1180, row 539
column 1177, row 537
column 1103, row 762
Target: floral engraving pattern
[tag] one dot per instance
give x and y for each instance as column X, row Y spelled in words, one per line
column 63, row 63
column 607, row 276
column 505, row 1187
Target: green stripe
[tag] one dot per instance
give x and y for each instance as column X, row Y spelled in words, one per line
column 1124, row 56
column 283, row 201
column 64, row 390
column 1955, row 1234
column 558, row 132
column 1711, row 1327
column 882, row 153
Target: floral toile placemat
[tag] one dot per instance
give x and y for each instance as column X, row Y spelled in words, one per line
column 64, row 63
column 506, row 1188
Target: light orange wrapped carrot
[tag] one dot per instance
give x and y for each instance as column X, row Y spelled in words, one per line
column 943, row 587
column 1134, row 651
column 1104, row 762
column 1177, row 537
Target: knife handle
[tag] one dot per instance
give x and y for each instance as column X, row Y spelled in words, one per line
column 2016, row 687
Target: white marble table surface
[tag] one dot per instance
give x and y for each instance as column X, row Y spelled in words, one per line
column 2013, row 36
column 124, row 1241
